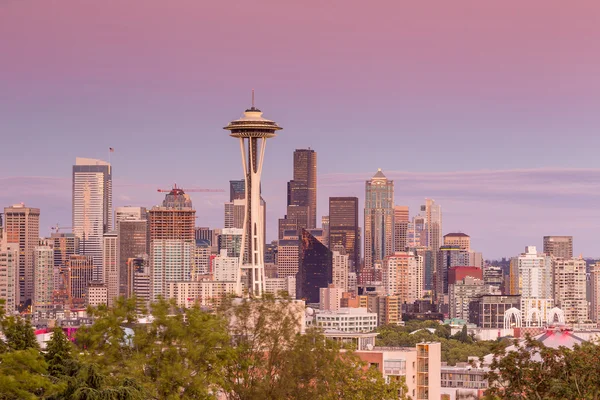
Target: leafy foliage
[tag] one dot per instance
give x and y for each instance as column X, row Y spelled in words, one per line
column 534, row 371
column 250, row 349
column 456, row 348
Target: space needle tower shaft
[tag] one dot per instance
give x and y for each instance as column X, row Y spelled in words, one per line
column 253, row 131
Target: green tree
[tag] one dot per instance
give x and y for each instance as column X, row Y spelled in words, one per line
column 534, row 371
column 464, row 335
column 180, row 355
column 19, row 334
column 90, row 384
column 271, row 360
column 58, row 354
column 24, row 376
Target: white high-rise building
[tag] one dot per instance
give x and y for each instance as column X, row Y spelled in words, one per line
column 92, row 207
column 340, row 268
column 277, row 285
column 171, row 261
column 9, row 274
column 570, row 289
column 110, row 265
column 226, row 268
column 531, row 277
column 43, row 278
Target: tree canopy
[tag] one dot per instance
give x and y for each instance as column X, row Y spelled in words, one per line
column 249, row 349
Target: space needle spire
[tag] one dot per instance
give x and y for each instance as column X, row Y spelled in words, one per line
column 253, row 131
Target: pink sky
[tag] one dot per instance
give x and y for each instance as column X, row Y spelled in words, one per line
column 416, row 87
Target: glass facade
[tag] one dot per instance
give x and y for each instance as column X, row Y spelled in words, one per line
column 315, row 268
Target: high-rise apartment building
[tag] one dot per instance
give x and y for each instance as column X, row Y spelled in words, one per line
column 171, row 260
column 401, row 221
column 531, row 276
column 314, row 270
column 340, row 270
column 110, row 266
column 288, row 255
column 344, row 229
column 594, row 292
column 132, row 243
column 9, row 274
column 458, row 239
column 403, row 276
column 226, row 268
column 379, row 219
column 22, row 227
column 79, row 274
column 43, row 259
column 558, row 246
column 570, row 289
column 302, row 190
column 92, row 207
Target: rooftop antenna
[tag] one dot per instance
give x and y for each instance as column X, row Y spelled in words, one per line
column 253, row 99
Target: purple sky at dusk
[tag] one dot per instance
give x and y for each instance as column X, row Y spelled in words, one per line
column 489, row 107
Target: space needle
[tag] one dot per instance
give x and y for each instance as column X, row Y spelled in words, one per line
column 253, row 131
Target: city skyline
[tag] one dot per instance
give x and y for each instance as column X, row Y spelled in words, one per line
column 487, row 86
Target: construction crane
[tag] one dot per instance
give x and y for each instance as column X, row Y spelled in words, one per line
column 57, row 228
column 177, row 190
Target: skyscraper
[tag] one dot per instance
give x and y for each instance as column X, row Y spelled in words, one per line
column 531, row 276
column 559, row 246
column 92, row 207
column 132, row 243
column 302, row 190
column 340, row 269
column 253, row 131
column 110, row 261
column 22, row 227
column 344, row 229
column 79, row 273
column 43, row 278
column 379, row 219
column 314, row 270
column 237, row 190
column 400, row 228
column 569, row 279
column 433, row 224
column 9, row 271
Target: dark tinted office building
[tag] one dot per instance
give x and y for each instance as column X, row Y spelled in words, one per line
column 343, row 227
column 314, row 269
